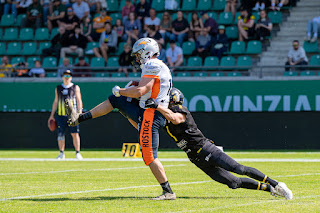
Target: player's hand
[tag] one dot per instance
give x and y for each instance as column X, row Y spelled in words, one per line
column 72, row 114
column 115, row 91
column 151, row 103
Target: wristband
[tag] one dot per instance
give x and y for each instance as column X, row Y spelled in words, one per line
column 84, row 117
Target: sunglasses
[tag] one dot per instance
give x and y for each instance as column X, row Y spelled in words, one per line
column 66, row 76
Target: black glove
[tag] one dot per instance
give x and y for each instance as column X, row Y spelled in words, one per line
column 151, row 103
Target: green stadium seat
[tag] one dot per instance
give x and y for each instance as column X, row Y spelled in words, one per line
column 275, row 17
column 102, row 75
column 7, row 20
column 19, row 19
column 31, row 60
column 232, row 32
column 86, row 59
column 2, row 48
column 113, row 62
column 1, row 33
column 200, row 74
column 49, row 62
column 134, row 74
column 213, row 15
column 225, row 18
column 211, row 61
column 42, row 34
column 219, row 5
column 118, row 75
column 310, row 47
column 158, row 5
column 204, row 4
column 290, row 73
column 16, row 60
column 194, row 62
column 114, row 17
column 90, row 46
column 256, row 16
column 120, row 48
column 26, row 34
column 51, row 74
column 10, row 34
column 244, row 62
column 237, row 47
column 234, row 74
column 227, row 61
column 217, row 74
column 236, row 18
column 307, row 73
column 97, row 62
column 29, row 48
column 315, row 60
column 159, row 15
column 113, row 5
column 43, row 45
column 14, row 48
column 254, row 47
column 188, row 47
column 188, row 5
column 183, row 74
column 61, row 60
column 54, row 32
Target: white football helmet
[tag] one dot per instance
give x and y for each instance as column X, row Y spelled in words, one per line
column 144, row 49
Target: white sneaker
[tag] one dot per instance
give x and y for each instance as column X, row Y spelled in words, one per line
column 314, row 39
column 61, row 156
column 282, row 190
column 79, row 156
column 307, row 38
column 165, row 196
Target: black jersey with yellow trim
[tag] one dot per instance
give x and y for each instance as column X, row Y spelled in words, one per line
column 187, row 135
column 63, row 93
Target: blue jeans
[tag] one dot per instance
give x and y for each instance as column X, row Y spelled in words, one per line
column 313, row 27
column 166, row 35
column 12, row 7
column 180, row 38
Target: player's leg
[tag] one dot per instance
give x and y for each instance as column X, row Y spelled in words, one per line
column 74, row 130
column 61, row 127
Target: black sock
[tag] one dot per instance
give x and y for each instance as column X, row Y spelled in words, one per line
column 271, row 181
column 84, row 116
column 257, row 175
column 77, row 152
column 248, row 183
column 61, row 151
column 166, row 187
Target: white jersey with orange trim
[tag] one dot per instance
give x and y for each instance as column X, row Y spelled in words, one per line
column 158, row 70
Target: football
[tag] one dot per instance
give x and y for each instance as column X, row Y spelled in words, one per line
column 52, row 125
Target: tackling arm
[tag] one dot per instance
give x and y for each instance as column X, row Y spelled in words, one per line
column 174, row 117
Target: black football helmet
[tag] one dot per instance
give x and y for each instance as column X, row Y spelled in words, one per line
column 176, row 97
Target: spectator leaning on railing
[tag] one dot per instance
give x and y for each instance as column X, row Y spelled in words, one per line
column 296, row 56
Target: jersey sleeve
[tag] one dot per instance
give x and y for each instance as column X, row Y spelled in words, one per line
column 151, row 69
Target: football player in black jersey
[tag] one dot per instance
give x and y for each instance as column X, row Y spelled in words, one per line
column 207, row 156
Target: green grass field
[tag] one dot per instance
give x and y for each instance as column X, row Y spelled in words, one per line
column 103, row 183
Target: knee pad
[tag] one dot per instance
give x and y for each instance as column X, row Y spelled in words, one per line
column 240, row 169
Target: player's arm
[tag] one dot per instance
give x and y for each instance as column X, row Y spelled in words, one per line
column 79, row 99
column 145, row 85
column 54, row 106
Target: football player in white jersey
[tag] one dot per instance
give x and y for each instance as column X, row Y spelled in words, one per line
column 156, row 82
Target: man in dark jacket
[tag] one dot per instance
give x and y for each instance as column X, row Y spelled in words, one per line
column 76, row 44
column 220, row 43
column 58, row 41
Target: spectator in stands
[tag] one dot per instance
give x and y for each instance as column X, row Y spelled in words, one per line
column 108, row 43
column 99, row 24
column 119, row 28
column 296, row 56
column 34, row 15
column 94, row 5
column 70, row 21
column 142, row 10
column 46, row 5
column 77, row 43
column 203, row 45
column 134, row 36
column 209, row 24
column 263, row 26
column 171, row 5
column 86, row 28
column 196, row 26
column 166, row 26
column 313, row 28
column 58, row 12
column 37, row 71
column 245, row 25
column 64, row 66
column 5, row 68
column 180, row 28
column 10, row 5
column 81, row 9
column 21, row 70
column 125, row 59
column 174, row 55
column 152, row 20
column 220, row 43
column 58, row 41
column 162, row 55
column 131, row 22
column 126, row 10
column 231, row 6
column 280, row 4
column 260, row 5
column 82, row 68
column 22, row 6
column 152, row 33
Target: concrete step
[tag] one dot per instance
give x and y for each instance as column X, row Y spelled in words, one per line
column 298, row 16
column 302, row 24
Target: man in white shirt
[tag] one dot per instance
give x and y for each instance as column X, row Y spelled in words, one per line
column 152, row 20
column 81, row 9
column 296, row 56
column 174, row 55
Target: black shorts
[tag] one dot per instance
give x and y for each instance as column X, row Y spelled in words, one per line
column 110, row 50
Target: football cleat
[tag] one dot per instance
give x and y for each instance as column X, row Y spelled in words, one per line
column 79, row 156
column 282, row 190
column 165, row 196
column 61, row 156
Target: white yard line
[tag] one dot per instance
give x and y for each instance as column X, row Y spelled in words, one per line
column 83, row 170
column 163, row 159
